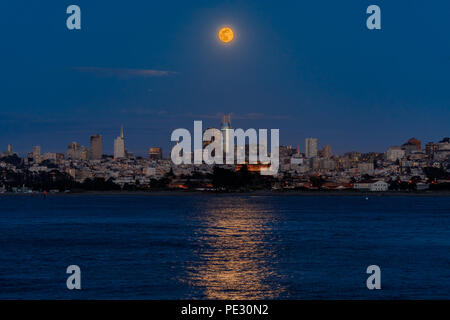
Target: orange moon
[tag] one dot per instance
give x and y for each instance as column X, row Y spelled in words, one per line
column 225, row 34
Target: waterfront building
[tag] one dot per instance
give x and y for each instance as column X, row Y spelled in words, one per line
column 371, row 185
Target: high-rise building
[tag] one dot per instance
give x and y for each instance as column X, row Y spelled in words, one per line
column 73, row 151
column 119, row 145
column 155, row 153
column 310, row 147
column 37, row 154
column 96, row 147
column 227, row 135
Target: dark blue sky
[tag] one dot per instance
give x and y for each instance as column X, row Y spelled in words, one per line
column 309, row 68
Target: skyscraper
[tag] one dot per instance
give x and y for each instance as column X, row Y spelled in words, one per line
column 310, row 147
column 96, row 147
column 119, row 145
column 226, row 133
column 37, row 154
column 73, row 151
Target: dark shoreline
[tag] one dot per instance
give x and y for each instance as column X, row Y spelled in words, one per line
column 247, row 193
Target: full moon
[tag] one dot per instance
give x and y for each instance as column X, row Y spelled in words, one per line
column 225, row 34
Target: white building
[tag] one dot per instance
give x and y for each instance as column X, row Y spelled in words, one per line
column 119, row 145
column 227, row 133
column 371, row 185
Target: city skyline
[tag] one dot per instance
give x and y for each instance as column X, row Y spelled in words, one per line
column 23, row 149
column 411, row 166
column 285, row 69
column 311, row 146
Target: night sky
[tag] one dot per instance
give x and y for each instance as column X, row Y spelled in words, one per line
column 309, row 68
